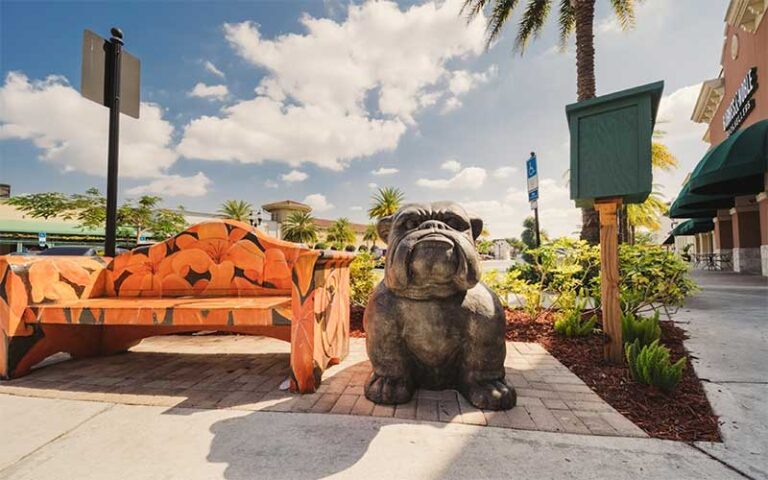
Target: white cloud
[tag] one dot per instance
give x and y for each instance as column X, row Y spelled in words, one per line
column 385, row 171
column 174, row 186
column 211, row 68
column 451, row 166
column 373, row 185
column 463, row 81
column 44, row 112
column 214, row 92
column 294, row 176
column 470, row 178
column 504, row 172
column 271, row 184
column 504, row 217
column 318, row 202
column 342, row 90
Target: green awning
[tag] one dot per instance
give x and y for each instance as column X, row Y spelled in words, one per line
column 690, row 205
column 736, row 166
column 670, row 240
column 694, row 226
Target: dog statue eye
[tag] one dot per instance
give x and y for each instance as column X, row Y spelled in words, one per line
column 456, row 224
column 412, row 223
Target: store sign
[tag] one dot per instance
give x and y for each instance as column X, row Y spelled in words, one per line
column 742, row 103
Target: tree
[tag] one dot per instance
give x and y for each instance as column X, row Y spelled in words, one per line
column 89, row 210
column 371, row 234
column 574, row 16
column 528, row 237
column 300, row 227
column 386, row 201
column 647, row 214
column 239, row 210
column 143, row 216
column 341, row 232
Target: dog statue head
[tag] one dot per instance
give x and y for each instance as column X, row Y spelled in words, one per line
column 430, row 250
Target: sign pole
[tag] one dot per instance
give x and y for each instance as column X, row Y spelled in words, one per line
column 536, row 218
column 112, row 98
column 609, row 279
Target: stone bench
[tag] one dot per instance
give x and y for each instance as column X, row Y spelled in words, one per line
column 222, row 275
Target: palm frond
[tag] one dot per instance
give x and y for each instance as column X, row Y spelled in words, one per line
column 566, row 21
column 532, row 21
column 471, row 8
column 498, row 18
column 625, row 13
column 662, row 158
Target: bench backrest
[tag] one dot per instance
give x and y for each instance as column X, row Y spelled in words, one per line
column 216, row 258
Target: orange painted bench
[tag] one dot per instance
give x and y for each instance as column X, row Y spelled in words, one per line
column 221, row 275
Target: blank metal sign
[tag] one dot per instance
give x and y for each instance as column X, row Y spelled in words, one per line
column 92, row 78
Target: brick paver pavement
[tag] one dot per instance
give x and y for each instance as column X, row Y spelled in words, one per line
column 250, row 373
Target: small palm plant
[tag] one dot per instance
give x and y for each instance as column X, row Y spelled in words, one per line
column 386, row 201
column 341, row 232
column 300, row 227
column 371, row 234
column 238, row 210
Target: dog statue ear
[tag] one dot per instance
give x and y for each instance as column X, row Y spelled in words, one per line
column 477, row 226
column 383, row 227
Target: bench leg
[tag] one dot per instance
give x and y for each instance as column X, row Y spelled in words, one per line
column 19, row 354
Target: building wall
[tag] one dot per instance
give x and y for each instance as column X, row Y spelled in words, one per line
column 752, row 52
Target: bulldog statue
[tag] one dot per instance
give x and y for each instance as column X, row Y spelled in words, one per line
column 431, row 323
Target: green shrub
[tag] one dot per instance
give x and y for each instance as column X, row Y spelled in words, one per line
column 361, row 278
column 349, row 248
column 644, row 330
column 362, row 248
column 569, row 321
column 650, row 365
column 321, row 246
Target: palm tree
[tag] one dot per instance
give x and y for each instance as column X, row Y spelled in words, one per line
column 299, row 227
column 574, row 16
column 371, row 234
column 647, row 214
column 341, row 232
column 238, row 210
column 386, row 201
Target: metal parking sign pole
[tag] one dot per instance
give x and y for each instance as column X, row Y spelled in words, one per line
column 532, row 172
column 110, row 76
column 113, row 100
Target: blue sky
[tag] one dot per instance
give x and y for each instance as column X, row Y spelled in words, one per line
column 306, row 100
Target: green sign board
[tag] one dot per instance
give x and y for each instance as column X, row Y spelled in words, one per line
column 611, row 145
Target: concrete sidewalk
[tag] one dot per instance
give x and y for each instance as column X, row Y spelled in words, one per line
column 728, row 325
column 55, row 439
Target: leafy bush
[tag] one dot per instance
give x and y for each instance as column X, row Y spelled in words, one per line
column 349, row 248
column 509, row 283
column 321, row 246
column 569, row 321
column 362, row 248
column 650, row 365
column 644, row 330
column 361, row 278
column 651, row 278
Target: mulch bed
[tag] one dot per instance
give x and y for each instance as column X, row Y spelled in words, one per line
column 685, row 415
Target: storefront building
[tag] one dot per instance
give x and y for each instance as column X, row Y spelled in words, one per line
column 728, row 186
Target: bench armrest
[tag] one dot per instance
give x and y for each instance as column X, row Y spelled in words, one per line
column 320, row 307
column 28, row 280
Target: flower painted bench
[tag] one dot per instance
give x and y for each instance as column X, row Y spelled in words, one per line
column 220, row 275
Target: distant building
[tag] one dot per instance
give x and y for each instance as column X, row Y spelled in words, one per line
column 280, row 211
column 20, row 232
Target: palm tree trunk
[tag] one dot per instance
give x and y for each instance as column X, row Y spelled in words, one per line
column 585, row 89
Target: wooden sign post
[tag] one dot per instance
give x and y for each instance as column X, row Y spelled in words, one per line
column 609, row 279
